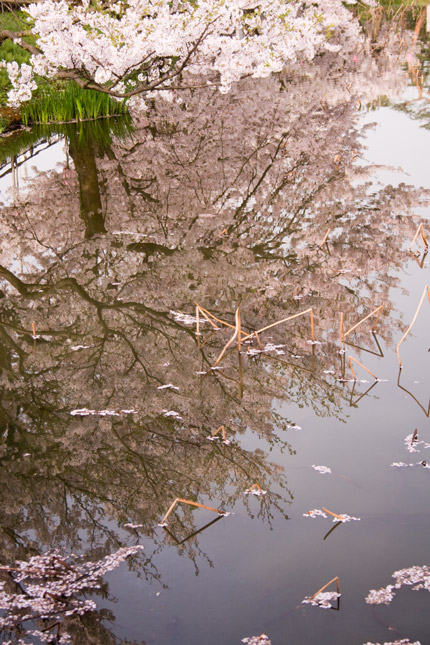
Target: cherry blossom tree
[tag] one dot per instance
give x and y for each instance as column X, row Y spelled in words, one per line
column 144, row 47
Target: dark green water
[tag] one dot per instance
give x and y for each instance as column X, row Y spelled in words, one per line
column 225, row 200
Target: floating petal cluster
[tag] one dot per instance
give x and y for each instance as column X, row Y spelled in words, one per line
column 263, row 639
column 403, row 641
column 413, row 445
column 85, row 412
column 323, row 470
column 324, row 599
column 416, row 577
column 342, row 517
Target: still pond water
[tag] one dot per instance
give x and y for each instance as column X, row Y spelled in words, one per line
column 288, row 194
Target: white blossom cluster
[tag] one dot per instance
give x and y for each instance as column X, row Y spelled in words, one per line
column 323, row 470
column 417, row 577
column 324, row 599
column 342, row 517
column 85, row 412
column 263, row 639
column 413, row 444
column 50, row 586
column 143, row 46
column 186, row 319
column 403, row 641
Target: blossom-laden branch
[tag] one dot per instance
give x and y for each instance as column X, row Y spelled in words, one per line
column 145, row 47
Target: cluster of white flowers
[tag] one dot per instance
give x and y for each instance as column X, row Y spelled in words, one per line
column 144, row 45
column 21, row 77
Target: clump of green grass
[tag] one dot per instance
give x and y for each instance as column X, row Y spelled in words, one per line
column 69, row 103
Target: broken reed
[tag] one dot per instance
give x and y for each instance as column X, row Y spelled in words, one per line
column 421, row 233
column 376, row 311
column 222, row 430
column 190, row 503
column 257, row 486
column 426, row 289
column 342, row 332
column 241, row 335
column 350, row 358
column 324, row 240
column 336, row 579
column 339, row 517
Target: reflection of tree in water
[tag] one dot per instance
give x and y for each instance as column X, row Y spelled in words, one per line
column 223, row 200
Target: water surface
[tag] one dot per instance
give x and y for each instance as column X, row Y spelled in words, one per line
column 225, row 201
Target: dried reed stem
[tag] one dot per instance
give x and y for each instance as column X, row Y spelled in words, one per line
column 312, row 325
column 186, row 501
column 222, row 431
column 360, row 322
column 207, row 313
column 197, row 321
column 412, row 323
column 238, row 328
column 232, row 339
column 33, row 327
column 342, row 332
column 339, row 517
column 325, row 237
column 257, row 486
column 420, row 232
column 327, row 585
column 258, row 340
column 361, row 365
column 302, row 313
column 414, row 436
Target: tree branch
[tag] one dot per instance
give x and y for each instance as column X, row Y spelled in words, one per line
column 6, row 34
column 157, row 84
